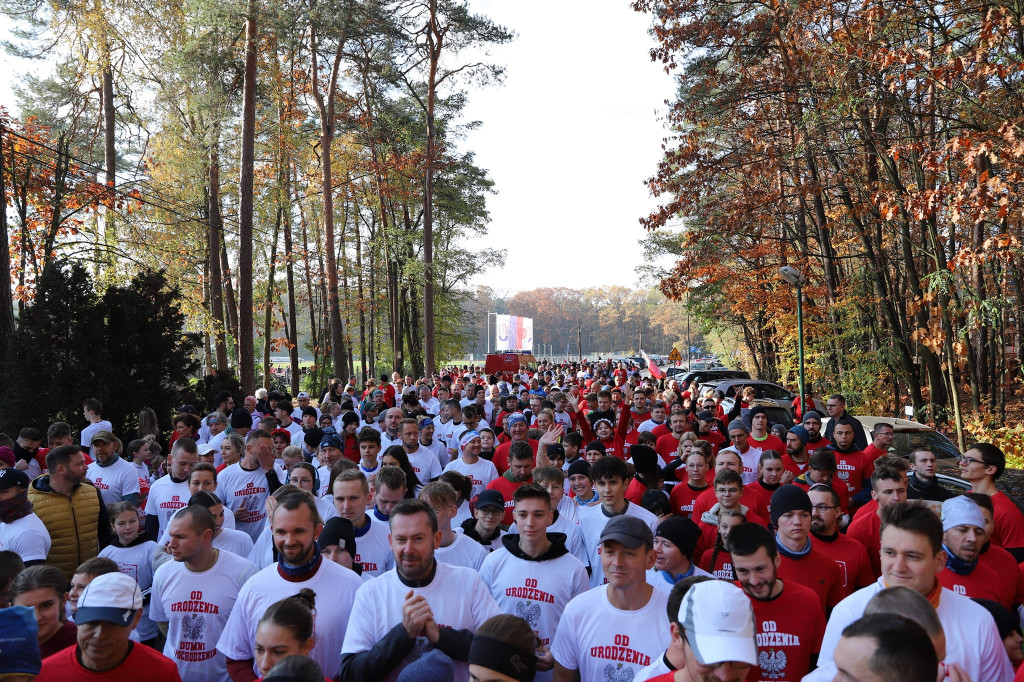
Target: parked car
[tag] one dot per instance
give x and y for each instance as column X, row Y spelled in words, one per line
column 776, row 400
column 703, row 376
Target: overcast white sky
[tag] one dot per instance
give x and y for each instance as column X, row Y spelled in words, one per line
column 568, row 138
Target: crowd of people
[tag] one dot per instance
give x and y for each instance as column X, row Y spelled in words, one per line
column 574, row 521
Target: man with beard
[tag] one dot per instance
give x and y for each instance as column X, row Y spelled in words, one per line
column 921, row 481
column 789, row 619
column 414, row 607
column 812, row 422
column 963, row 534
column 836, row 406
column 423, row 460
column 795, row 459
column 799, row 560
column 71, row 509
column 115, row 478
column 294, row 526
column 849, row 555
column 852, row 466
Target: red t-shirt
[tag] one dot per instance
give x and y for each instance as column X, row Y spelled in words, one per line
column 981, row 583
column 635, row 491
column 723, row 564
column 770, row 442
column 822, row 442
column 796, row 467
column 661, row 430
column 867, row 530
column 506, row 488
column 852, row 468
column 501, row 455
column 1009, row 522
column 1005, row 566
column 667, row 446
column 683, row 497
column 817, row 572
column 852, row 559
column 716, row 439
column 760, row 497
column 142, row 663
column 789, row 631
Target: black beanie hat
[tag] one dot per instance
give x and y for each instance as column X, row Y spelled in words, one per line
column 338, row 531
column 241, row 419
column 681, row 532
column 789, row 498
column 595, row 445
column 580, row 466
column 644, row 457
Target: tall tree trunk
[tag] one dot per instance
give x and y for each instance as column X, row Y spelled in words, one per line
column 215, row 227
column 325, row 105
column 435, row 43
column 362, row 301
column 293, row 334
column 314, row 338
column 269, row 311
column 6, row 299
column 229, row 294
column 109, row 155
column 246, row 366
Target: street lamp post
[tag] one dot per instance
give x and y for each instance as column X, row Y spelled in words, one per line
column 796, row 278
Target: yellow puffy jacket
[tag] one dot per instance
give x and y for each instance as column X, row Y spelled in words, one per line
column 73, row 522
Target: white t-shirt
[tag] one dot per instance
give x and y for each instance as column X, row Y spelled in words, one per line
column 137, row 561
column 335, row 588
column 234, row 541
column 564, row 419
column 462, row 552
column 480, row 473
column 165, row 498
column 431, row 406
column 458, row 599
column 27, row 537
column 659, row 581
column 750, row 460
column 197, row 608
column 656, row 668
column 461, row 514
column 592, row 522
column 971, row 636
column 536, row 591
column 373, row 550
column 573, row 535
column 425, row 464
column 439, row 450
column 115, row 481
column 245, row 493
column 606, row 643
column 89, row 431
column 262, row 552
column 649, row 425
column 215, row 442
column 386, row 442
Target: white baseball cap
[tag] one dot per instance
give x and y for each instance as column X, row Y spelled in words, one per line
column 302, row 394
column 112, row 597
column 719, row 623
column 206, row 448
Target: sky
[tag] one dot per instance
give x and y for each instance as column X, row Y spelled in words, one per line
column 568, row 138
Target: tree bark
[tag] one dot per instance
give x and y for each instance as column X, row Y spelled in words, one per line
column 6, row 297
column 435, row 43
column 214, row 249
column 246, row 361
column 269, row 311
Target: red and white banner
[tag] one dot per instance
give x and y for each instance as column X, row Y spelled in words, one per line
column 654, row 369
column 514, row 332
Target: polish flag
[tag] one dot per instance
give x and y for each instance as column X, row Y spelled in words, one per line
column 653, row 368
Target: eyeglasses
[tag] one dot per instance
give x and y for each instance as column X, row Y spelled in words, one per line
column 970, row 460
column 823, row 507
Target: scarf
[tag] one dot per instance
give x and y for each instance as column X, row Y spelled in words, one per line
column 110, row 462
column 786, row 552
column 676, row 578
column 17, row 507
column 958, row 565
column 301, row 572
column 710, row 517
